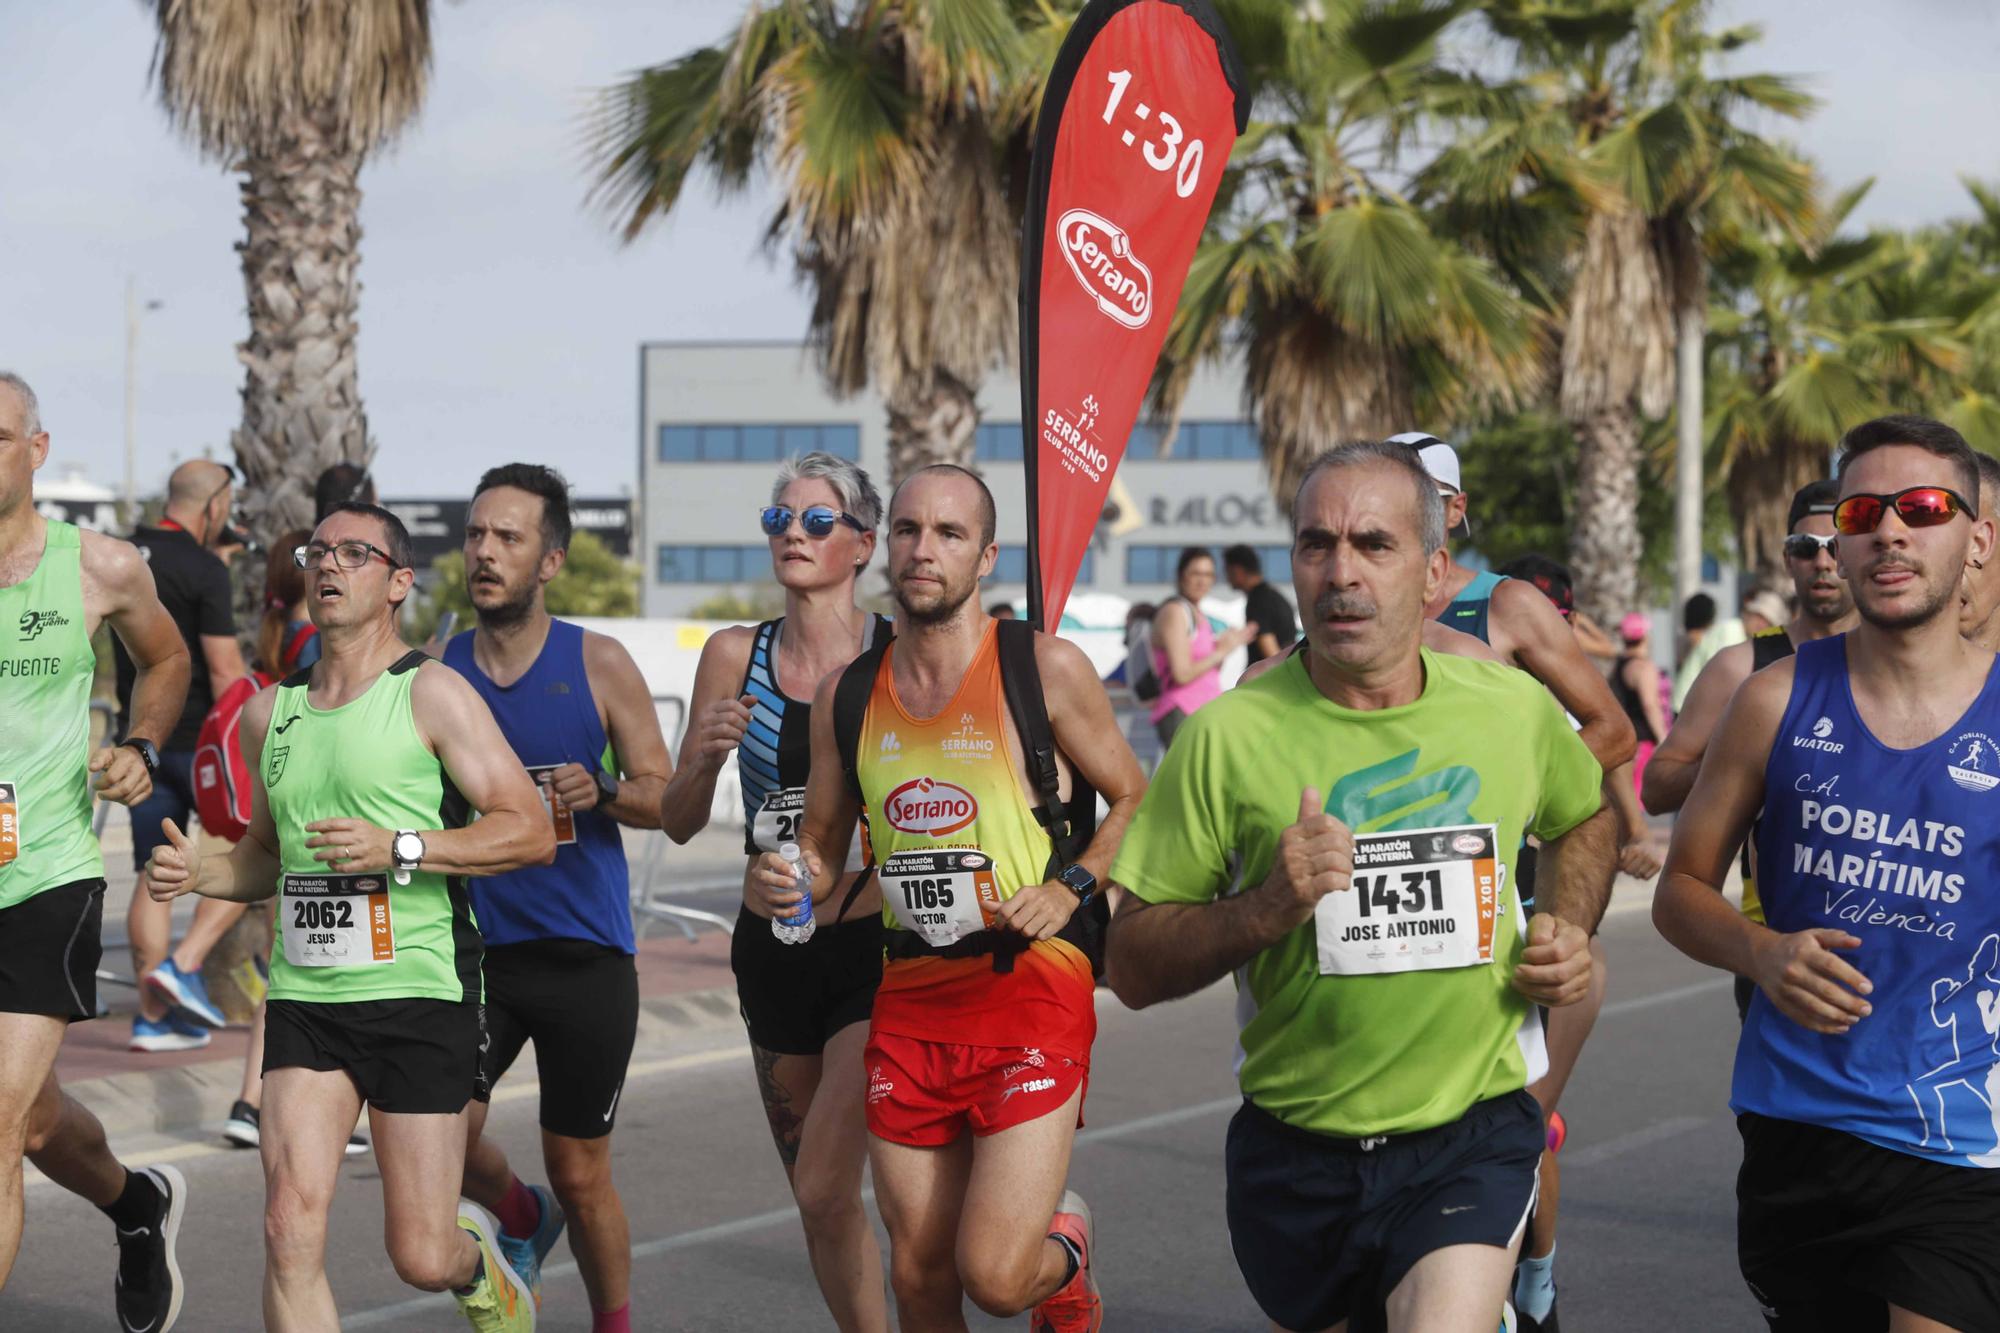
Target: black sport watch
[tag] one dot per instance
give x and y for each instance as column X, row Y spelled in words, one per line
column 607, row 787
column 1080, row 882
column 148, row 752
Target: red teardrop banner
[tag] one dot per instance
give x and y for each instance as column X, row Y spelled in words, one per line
column 1137, row 122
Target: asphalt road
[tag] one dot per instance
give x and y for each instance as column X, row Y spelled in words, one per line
column 1647, row 1240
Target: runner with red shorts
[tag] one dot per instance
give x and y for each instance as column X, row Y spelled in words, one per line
column 979, row 1045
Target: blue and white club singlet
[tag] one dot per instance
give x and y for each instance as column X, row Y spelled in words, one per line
column 1901, row 849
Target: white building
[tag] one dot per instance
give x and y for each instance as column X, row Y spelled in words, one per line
column 715, row 419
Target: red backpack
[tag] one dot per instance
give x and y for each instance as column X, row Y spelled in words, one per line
column 221, row 779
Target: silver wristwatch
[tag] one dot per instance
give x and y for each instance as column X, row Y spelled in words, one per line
column 406, row 852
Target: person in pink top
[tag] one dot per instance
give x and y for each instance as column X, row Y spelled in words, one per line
column 1187, row 652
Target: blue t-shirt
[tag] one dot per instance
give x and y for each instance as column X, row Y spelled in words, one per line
column 1901, row 849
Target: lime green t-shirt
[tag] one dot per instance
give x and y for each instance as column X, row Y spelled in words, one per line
column 1370, row 1054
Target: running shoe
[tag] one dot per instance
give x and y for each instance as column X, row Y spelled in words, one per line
column 166, row 1034
column 499, row 1301
column 1077, row 1307
column 241, row 1128
column 187, row 992
column 357, row 1144
column 148, row 1285
column 526, row 1253
column 1558, row 1131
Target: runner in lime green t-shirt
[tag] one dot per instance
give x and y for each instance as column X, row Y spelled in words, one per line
column 1341, row 833
column 368, row 765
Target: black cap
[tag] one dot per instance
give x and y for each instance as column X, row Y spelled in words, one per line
column 1815, row 497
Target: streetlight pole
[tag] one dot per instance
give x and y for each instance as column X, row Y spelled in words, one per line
column 128, row 504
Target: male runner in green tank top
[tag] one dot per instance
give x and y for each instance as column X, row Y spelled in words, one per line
column 367, row 766
column 58, row 583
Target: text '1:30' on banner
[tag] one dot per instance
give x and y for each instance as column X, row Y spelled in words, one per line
column 1136, row 125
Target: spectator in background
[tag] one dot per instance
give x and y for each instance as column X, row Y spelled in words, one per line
column 1001, row 610
column 1705, row 638
column 1187, row 652
column 1635, row 681
column 339, row 484
column 1762, row 610
column 1266, row 606
column 193, row 585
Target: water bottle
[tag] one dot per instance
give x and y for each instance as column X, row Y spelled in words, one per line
column 798, row 928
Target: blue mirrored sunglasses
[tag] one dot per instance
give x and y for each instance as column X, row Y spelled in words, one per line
column 817, row 520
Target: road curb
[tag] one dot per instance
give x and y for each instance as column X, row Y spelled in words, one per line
column 189, row 1099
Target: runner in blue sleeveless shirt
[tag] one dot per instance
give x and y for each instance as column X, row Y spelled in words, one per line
column 1867, row 1081
column 559, row 948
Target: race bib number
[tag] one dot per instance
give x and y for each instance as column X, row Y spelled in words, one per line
column 10, row 823
column 778, row 819
column 337, row 920
column 559, row 814
column 942, row 896
column 1421, row 900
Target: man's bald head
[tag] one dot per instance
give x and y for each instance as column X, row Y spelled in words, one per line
column 194, row 481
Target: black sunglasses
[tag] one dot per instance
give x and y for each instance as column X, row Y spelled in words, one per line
column 817, row 520
column 1806, row 546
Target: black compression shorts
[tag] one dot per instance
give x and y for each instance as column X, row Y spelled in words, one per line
column 578, row 1001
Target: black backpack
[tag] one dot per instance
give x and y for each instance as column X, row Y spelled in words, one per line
column 1070, row 825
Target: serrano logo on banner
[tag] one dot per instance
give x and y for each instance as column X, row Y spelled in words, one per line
column 1137, row 121
column 930, row 807
column 1100, row 254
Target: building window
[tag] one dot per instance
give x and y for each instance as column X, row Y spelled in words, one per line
column 757, row 443
column 1012, row 567
column 1156, row 564
column 712, row 564
column 997, row 442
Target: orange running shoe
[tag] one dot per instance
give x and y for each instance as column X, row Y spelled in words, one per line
column 1558, row 1131
column 1077, row 1307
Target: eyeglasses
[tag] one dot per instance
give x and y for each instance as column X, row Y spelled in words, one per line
column 1917, row 506
column 1806, row 546
column 347, row 555
column 817, row 520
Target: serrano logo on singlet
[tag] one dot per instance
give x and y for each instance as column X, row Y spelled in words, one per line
column 1100, row 255
column 930, row 807
column 1818, row 740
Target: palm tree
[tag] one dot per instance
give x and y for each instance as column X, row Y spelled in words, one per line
column 899, row 132
column 1618, row 136
column 1354, row 316
column 295, row 94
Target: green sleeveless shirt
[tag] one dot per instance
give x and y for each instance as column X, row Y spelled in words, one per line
column 46, row 668
column 344, row 938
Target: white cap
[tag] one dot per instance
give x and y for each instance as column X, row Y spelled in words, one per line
column 1439, row 459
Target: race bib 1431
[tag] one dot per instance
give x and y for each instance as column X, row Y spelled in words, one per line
column 1421, row 899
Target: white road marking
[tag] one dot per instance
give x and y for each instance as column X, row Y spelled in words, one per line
column 1658, row 1132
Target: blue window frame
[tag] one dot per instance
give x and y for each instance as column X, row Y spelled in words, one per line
column 711, row 564
column 723, row 442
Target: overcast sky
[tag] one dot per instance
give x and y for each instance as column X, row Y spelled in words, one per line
column 501, row 319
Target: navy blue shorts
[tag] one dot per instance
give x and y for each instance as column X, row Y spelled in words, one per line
column 172, row 798
column 1324, row 1228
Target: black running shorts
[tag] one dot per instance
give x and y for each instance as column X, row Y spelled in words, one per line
column 407, row 1057
column 795, row 996
column 1831, row 1230
column 1325, row 1228
column 578, row 1001
column 49, row 948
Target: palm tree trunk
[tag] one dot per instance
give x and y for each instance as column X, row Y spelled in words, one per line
column 301, row 250
column 1605, row 545
column 1761, row 487
column 933, row 426
column 1691, row 328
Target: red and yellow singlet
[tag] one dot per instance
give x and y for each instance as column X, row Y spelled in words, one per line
column 954, row 835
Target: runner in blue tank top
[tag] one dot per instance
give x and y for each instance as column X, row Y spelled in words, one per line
column 806, row 1006
column 1518, row 622
column 1867, row 1079
column 559, row 948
